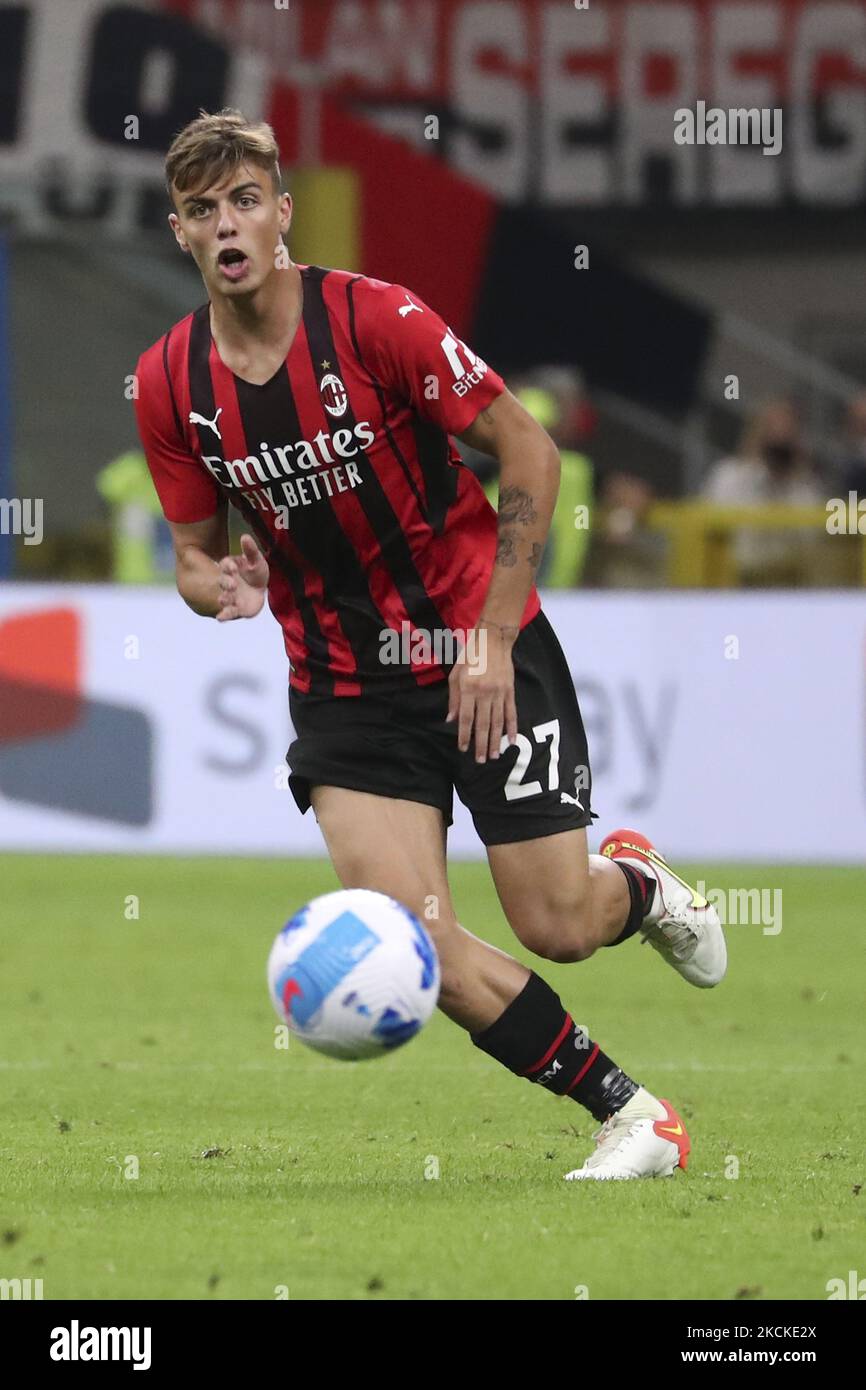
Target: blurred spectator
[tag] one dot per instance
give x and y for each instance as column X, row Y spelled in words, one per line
column 554, row 397
column 770, row 468
column 574, row 418
column 142, row 550
column 852, row 467
column 626, row 553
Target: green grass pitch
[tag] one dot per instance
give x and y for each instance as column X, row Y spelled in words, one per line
column 152, row 1039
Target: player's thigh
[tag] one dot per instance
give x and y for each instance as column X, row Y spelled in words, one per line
column 389, row 845
column 544, row 888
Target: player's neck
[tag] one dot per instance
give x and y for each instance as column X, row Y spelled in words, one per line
column 261, row 319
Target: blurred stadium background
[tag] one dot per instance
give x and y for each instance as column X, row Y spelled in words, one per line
column 688, row 321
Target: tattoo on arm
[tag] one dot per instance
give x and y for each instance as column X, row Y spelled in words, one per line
column 516, row 508
column 516, row 505
column 506, row 552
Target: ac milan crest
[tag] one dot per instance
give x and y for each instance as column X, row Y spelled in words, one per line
column 334, row 397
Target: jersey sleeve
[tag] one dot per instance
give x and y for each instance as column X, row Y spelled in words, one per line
column 416, row 353
column 185, row 489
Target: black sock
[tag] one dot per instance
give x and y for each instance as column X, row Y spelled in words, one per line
column 641, row 892
column 536, row 1038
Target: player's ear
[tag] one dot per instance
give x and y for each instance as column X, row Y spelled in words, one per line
column 286, row 207
column 174, row 223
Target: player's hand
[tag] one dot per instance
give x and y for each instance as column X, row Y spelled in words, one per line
column 481, row 694
column 243, row 580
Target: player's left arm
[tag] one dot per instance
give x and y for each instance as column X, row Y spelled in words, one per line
column 414, row 351
column 528, row 487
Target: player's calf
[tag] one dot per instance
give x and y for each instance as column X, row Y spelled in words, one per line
column 558, row 931
column 397, row 847
column 561, row 903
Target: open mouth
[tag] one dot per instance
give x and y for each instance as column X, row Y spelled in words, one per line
column 233, row 263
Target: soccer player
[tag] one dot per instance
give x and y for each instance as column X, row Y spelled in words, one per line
column 320, row 403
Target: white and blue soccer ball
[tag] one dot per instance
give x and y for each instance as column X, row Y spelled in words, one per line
column 354, row 974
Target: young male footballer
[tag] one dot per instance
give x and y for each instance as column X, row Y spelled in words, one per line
column 320, row 404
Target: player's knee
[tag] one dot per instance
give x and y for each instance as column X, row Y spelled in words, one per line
column 557, row 930
column 566, row 952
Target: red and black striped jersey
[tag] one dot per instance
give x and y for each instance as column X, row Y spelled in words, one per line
column 343, row 468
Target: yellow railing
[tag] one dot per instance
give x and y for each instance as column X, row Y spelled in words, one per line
column 326, row 222
column 699, row 534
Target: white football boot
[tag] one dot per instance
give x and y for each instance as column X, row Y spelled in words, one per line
column 681, row 925
column 645, row 1139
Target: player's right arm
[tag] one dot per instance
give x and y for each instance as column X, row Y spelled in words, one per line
column 213, row 583
column 199, row 546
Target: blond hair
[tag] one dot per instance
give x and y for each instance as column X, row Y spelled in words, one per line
column 213, row 145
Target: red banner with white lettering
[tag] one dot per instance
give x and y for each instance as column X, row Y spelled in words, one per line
column 606, row 105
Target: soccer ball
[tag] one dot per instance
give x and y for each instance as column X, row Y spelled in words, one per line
column 354, row 974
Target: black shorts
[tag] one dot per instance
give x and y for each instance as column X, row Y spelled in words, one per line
column 399, row 745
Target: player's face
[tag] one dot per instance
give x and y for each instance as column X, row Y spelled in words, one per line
column 233, row 230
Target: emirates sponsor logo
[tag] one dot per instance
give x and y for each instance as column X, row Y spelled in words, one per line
column 273, row 463
column 281, row 477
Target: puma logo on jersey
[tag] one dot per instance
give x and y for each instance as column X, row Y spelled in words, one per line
column 408, row 307
column 575, row 800
column 196, row 419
